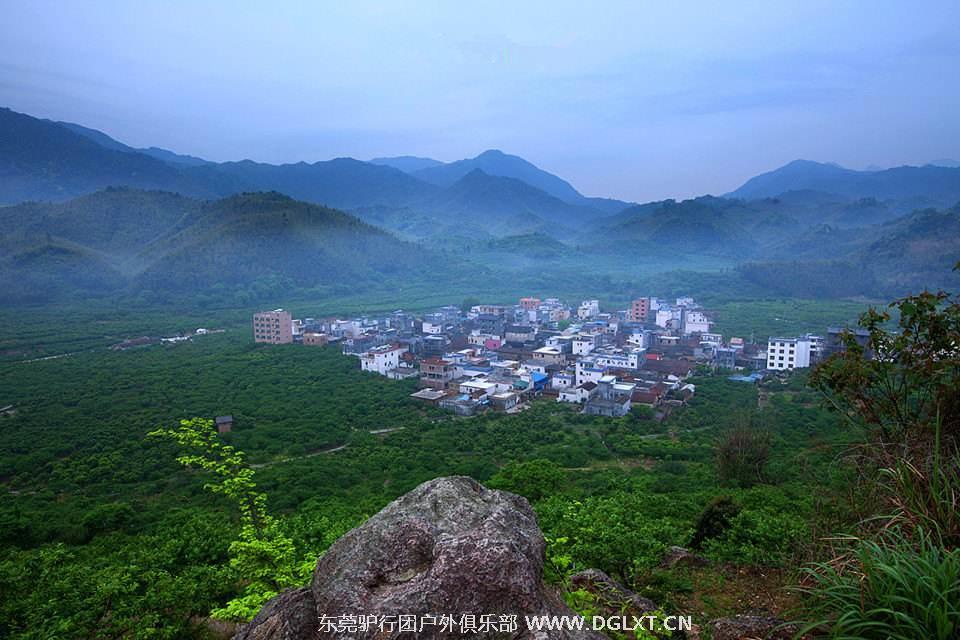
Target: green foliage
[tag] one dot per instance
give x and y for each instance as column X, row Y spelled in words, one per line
column 74, row 454
column 759, row 537
column 908, row 398
column 896, row 590
column 742, row 454
column 714, row 520
column 620, row 534
column 533, row 479
column 263, row 558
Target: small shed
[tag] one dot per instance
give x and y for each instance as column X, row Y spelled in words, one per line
column 224, row 424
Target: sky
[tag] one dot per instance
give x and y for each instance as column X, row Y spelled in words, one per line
column 634, row 100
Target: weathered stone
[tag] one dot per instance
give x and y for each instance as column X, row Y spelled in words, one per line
column 450, row 546
column 751, row 628
column 292, row 615
column 611, row 594
column 680, row 557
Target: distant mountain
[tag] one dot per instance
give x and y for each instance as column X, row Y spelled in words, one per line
column 906, row 255
column 344, row 183
column 710, row 225
column 938, row 186
column 127, row 240
column 407, row 164
column 505, row 206
column 497, row 163
column 44, row 160
column 109, row 143
column 946, row 162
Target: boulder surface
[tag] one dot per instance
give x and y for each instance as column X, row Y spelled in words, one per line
column 450, row 547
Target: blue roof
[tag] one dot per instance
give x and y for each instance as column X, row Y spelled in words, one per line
column 538, row 377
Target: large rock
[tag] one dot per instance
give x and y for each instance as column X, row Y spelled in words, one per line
column 450, row 546
column 680, row 557
column 612, row 595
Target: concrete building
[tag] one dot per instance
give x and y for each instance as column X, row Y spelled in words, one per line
column 588, row 309
column 639, row 310
column 548, row 356
column 725, row 358
column 519, row 334
column 585, row 343
column 273, row 327
column 618, row 358
column 695, row 322
column 579, row 394
column 315, row 339
column 612, row 398
column 381, row 359
column 529, row 304
column 784, row 354
column 436, row 373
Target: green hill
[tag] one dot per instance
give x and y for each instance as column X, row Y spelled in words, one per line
column 128, row 240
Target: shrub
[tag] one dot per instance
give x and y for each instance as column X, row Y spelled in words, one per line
column 714, row 520
column 758, row 537
column 741, row 456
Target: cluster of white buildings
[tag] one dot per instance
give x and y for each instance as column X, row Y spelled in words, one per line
column 502, row 355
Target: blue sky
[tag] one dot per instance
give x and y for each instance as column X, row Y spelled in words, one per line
column 636, row 100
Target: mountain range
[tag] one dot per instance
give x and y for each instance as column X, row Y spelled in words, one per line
column 115, row 216
column 47, row 160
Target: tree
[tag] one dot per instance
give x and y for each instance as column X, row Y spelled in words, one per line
column 263, row 558
column 534, row 479
column 743, row 453
column 903, row 387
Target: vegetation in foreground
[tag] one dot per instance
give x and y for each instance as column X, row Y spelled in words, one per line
column 113, row 539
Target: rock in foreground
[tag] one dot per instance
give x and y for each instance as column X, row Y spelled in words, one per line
column 450, row 546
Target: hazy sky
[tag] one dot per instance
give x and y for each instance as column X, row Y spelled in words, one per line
column 636, row 100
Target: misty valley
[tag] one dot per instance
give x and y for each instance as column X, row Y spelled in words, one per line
column 406, row 397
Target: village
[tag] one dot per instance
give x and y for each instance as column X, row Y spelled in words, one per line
column 500, row 357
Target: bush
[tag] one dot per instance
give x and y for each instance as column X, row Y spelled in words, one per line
column 758, row 537
column 741, row 456
column 714, row 520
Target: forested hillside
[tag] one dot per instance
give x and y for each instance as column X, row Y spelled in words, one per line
column 126, row 241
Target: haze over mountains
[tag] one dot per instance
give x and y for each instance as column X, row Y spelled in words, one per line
column 178, row 221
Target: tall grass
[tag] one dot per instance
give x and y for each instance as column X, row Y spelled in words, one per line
column 895, row 589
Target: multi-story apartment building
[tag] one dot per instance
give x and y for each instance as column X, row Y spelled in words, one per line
column 273, row 327
column 639, row 310
column 793, row 353
column 529, row 304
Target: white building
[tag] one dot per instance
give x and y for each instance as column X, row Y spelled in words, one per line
column 695, row 322
column 667, row 318
column 381, row 359
column 793, row 353
column 562, row 381
column 579, row 394
column 584, row 344
column 431, row 328
column 588, row 309
column 618, row 358
column 588, row 371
